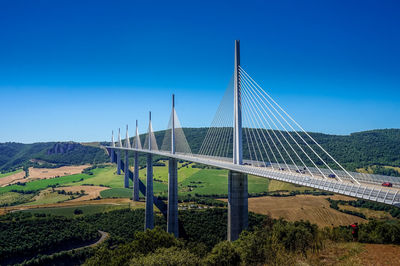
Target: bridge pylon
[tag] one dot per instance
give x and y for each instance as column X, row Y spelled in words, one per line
column 149, row 214
column 112, row 152
column 172, row 211
column 237, row 182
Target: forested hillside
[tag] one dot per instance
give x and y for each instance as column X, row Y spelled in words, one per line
column 357, row 150
column 48, row 154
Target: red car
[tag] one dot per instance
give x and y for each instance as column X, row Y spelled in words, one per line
column 387, row 184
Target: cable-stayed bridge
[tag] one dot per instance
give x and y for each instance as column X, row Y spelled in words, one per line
column 250, row 134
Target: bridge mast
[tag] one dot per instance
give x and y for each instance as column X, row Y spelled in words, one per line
column 173, row 126
column 237, row 134
column 112, row 152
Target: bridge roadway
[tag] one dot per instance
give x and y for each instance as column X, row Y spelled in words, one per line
column 367, row 191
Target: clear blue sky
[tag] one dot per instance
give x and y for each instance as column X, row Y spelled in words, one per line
column 74, row 70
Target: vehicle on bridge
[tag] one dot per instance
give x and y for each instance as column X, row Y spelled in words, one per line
column 387, row 184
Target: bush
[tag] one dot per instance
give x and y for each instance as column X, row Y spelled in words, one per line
column 224, row 253
column 78, row 211
column 167, row 256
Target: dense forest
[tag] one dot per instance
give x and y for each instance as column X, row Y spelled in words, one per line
column 24, row 238
column 375, row 148
column 202, row 239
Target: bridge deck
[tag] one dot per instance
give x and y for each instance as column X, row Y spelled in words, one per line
column 367, row 189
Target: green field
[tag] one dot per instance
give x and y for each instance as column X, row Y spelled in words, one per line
column 44, row 183
column 69, row 211
column 106, row 176
column 48, row 197
column 193, row 181
column 215, row 182
column 117, row 193
column 9, row 198
column 10, row 173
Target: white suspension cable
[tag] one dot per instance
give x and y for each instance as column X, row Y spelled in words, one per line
column 269, row 126
column 269, row 135
column 283, row 146
column 301, row 128
column 305, row 166
column 247, row 114
column 336, row 176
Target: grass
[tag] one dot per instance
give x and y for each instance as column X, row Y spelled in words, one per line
column 334, row 253
column 370, row 214
column 45, row 183
column 370, row 169
column 14, row 197
column 116, row 193
column 394, row 168
column 215, row 182
column 106, row 176
column 159, row 188
column 69, row 211
column 10, row 173
column 161, row 172
column 48, row 197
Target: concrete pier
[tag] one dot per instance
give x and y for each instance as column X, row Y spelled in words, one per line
column 149, row 215
column 118, row 162
column 112, row 154
column 237, row 204
column 126, row 170
column 135, row 196
column 172, row 214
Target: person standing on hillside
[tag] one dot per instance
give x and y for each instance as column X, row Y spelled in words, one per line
column 355, row 231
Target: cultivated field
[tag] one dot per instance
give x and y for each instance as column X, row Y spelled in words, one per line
column 48, row 196
column 10, row 173
column 41, row 173
column 302, row 207
column 92, row 192
column 12, row 177
column 115, row 202
column 355, row 254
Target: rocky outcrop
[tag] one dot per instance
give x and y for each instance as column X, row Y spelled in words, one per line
column 62, row 147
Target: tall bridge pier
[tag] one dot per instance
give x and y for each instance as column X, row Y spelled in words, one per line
column 119, row 153
column 172, row 212
column 237, row 204
column 149, row 214
column 237, row 182
column 126, row 169
column 135, row 180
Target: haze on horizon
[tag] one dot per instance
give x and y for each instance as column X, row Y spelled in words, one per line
column 76, row 71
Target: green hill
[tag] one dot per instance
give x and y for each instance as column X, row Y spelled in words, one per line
column 48, row 154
